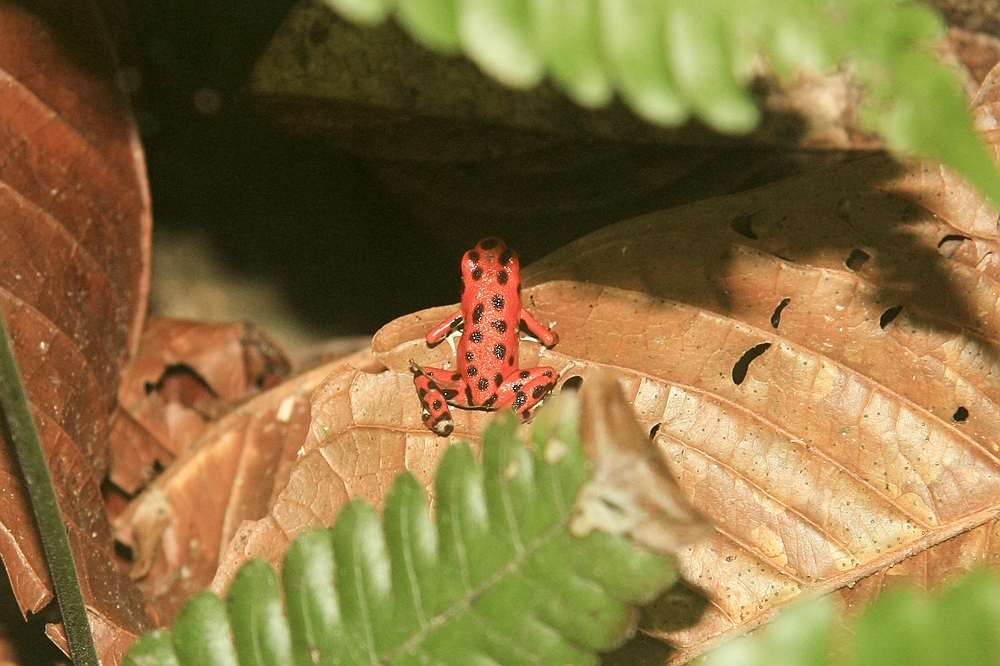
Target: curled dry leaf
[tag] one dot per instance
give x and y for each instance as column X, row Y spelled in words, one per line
column 632, row 491
column 179, row 527
column 74, row 250
column 184, row 376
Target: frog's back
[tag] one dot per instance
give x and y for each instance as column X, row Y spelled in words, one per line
column 491, row 308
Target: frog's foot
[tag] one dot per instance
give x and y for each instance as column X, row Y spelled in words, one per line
column 434, row 388
column 527, row 389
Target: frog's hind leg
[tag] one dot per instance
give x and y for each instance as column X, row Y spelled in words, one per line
column 525, row 390
column 436, row 387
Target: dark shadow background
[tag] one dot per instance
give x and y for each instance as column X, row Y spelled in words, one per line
column 349, row 251
column 272, row 204
column 346, row 252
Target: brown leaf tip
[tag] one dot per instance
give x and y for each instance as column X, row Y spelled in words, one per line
column 632, row 491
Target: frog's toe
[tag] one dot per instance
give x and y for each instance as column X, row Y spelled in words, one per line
column 443, row 426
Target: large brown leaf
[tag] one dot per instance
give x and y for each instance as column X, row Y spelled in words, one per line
column 828, row 437
column 815, row 360
column 74, row 249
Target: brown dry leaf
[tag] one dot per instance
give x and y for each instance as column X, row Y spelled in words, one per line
column 932, row 568
column 74, row 241
column 978, row 52
column 366, row 429
column 180, row 526
column 184, row 376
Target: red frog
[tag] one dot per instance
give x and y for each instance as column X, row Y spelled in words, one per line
column 488, row 374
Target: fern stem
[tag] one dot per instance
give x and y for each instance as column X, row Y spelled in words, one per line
column 41, row 490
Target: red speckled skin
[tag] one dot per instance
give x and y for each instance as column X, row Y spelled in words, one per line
column 488, row 375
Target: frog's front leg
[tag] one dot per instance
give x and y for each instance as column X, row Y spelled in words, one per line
column 525, row 389
column 441, row 331
column 436, row 387
column 546, row 335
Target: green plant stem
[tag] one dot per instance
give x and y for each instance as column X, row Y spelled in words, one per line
column 41, row 490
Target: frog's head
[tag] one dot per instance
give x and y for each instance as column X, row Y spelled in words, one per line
column 492, row 260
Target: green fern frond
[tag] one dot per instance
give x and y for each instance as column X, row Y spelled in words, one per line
column 497, row 578
column 670, row 59
column 961, row 626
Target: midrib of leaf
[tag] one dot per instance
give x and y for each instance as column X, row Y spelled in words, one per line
column 466, row 601
column 361, row 592
column 411, row 571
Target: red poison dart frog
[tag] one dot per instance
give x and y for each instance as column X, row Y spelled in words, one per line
column 488, row 375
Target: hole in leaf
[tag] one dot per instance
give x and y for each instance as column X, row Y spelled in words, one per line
column 776, row 315
column 123, row 551
column 889, row 315
column 951, row 244
column 961, row 415
column 743, row 365
column 952, row 238
column 181, row 383
column 655, row 429
column 857, row 259
column 573, row 383
column 743, row 225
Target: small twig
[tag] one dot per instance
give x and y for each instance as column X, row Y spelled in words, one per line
column 55, row 541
